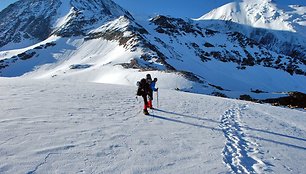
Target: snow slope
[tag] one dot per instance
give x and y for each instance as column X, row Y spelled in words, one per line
column 65, row 126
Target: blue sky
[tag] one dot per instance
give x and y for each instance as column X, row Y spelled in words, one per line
column 176, row 8
column 5, row 3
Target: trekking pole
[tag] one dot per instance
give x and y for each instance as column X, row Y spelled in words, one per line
column 157, row 99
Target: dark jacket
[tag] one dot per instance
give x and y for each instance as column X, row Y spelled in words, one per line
column 143, row 88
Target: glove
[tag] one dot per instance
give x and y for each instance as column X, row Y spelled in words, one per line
column 149, row 97
column 156, row 89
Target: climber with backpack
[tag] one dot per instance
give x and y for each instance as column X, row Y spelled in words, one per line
column 144, row 90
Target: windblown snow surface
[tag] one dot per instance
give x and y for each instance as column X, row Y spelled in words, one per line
column 66, row 126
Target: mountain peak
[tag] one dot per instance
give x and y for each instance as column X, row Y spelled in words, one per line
column 107, row 7
column 30, row 21
column 266, row 14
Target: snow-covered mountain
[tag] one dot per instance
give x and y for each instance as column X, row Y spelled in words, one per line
column 267, row 14
column 274, row 24
column 101, row 42
column 27, row 22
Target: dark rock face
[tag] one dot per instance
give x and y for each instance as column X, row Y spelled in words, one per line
column 34, row 19
column 207, row 44
column 219, row 94
column 39, row 27
column 271, row 41
column 246, row 98
column 174, row 26
column 23, row 56
column 27, row 20
column 254, row 52
column 294, row 100
column 118, row 34
column 79, row 66
column 88, row 13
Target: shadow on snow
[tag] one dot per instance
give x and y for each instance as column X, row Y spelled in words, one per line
column 218, row 129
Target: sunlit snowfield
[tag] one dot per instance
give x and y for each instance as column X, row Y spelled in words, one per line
column 54, row 126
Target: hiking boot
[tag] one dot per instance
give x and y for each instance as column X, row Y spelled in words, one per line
column 145, row 111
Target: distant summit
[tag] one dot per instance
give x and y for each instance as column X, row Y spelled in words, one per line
column 264, row 14
column 29, row 21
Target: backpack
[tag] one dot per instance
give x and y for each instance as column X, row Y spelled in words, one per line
column 141, row 86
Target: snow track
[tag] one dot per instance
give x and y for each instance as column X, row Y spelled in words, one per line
column 239, row 152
